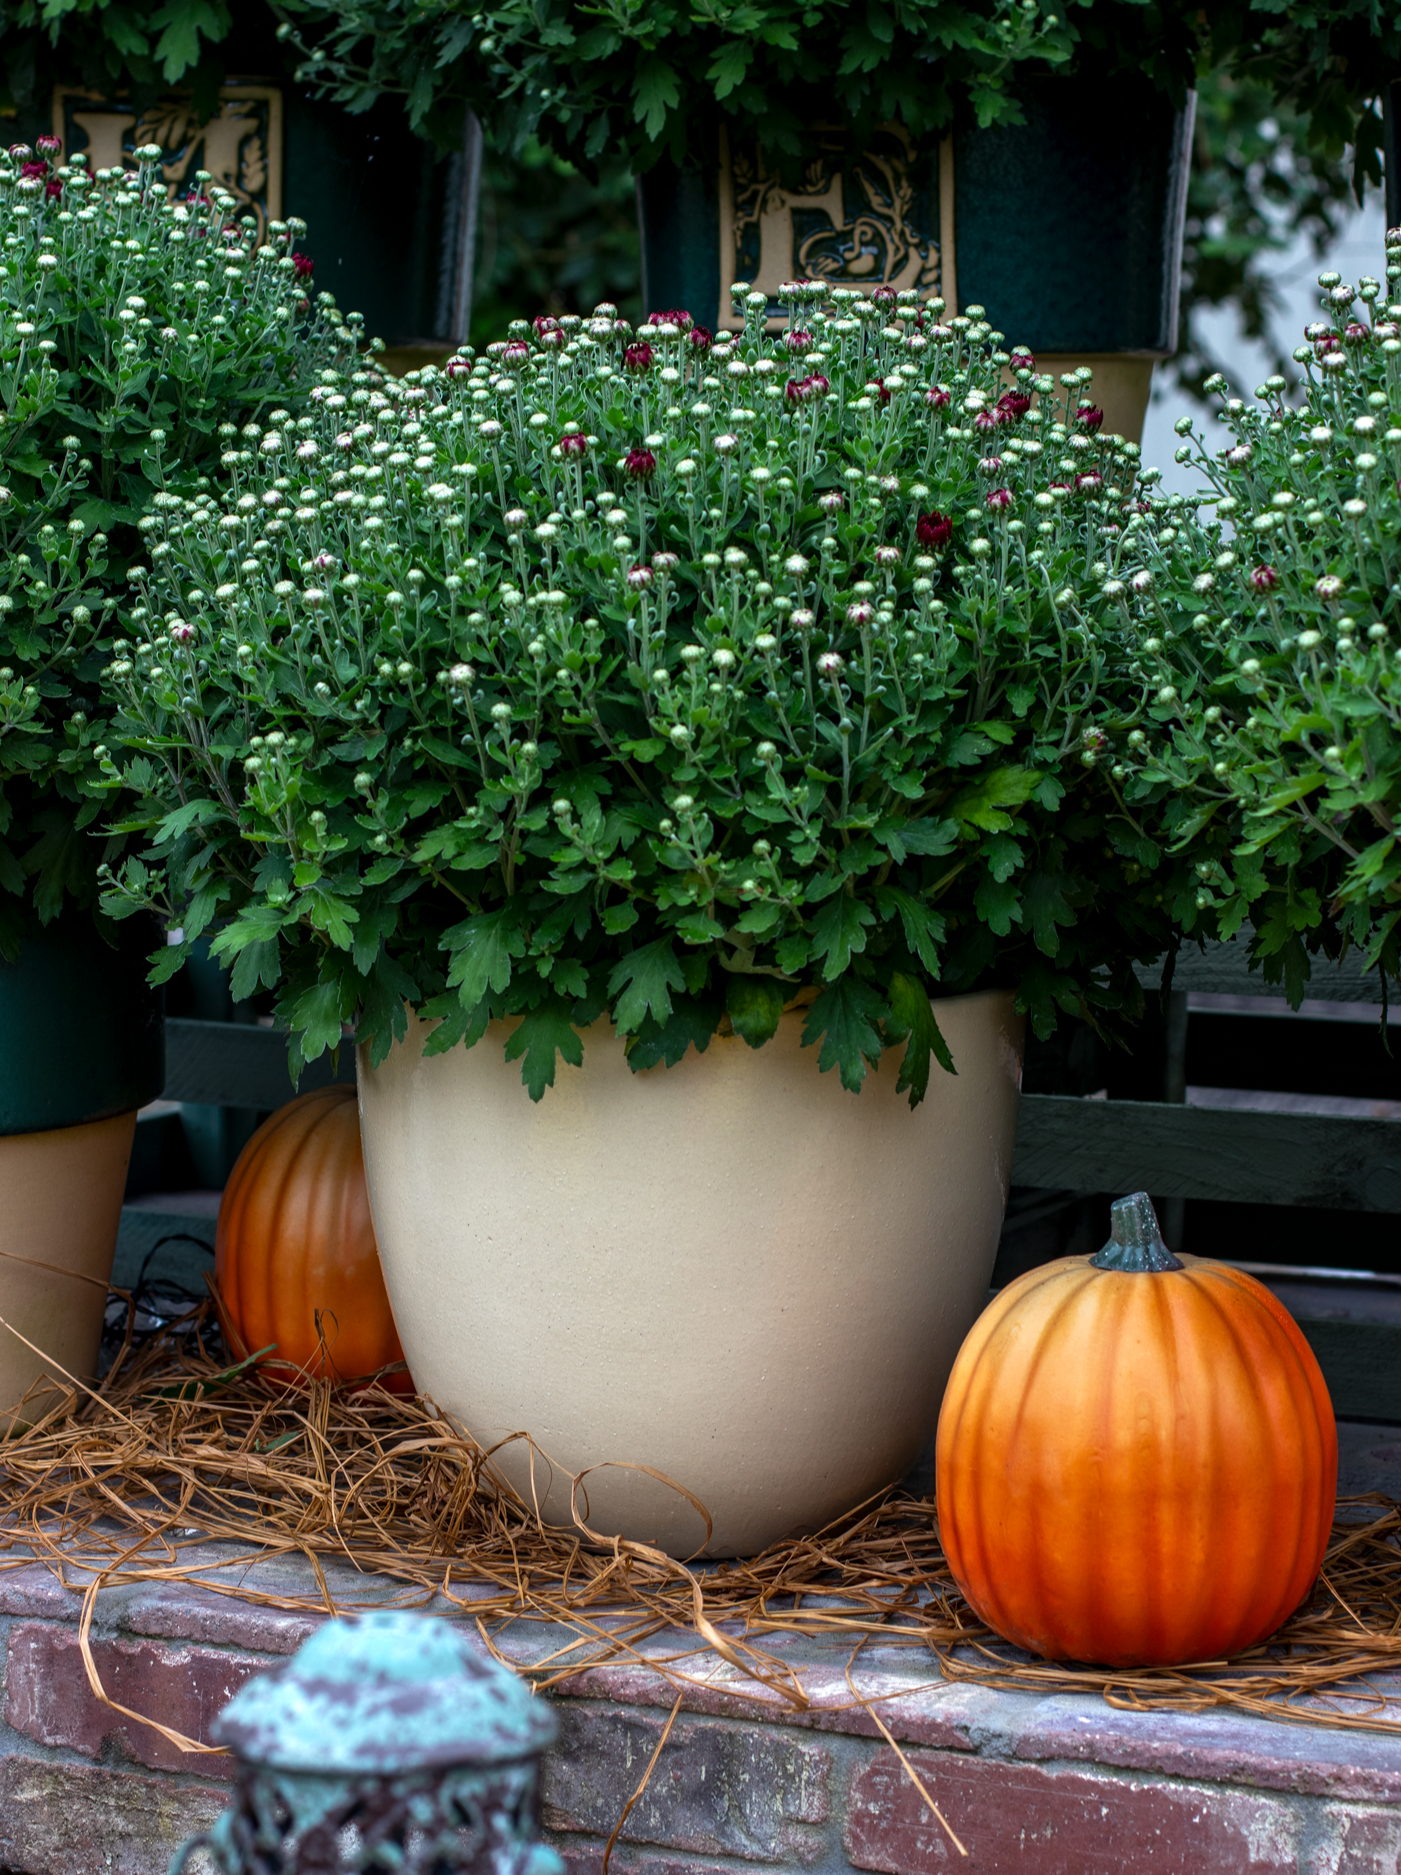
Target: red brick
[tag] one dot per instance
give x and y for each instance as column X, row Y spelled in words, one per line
column 716, row 1790
column 1357, row 1840
column 78, row 1819
column 1217, row 1746
column 48, row 1699
column 915, row 1708
column 1022, row 1819
column 177, row 1612
column 36, row 1591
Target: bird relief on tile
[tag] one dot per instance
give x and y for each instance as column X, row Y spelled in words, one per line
column 859, row 218
column 240, row 145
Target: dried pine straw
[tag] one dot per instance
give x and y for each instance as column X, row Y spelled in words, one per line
column 175, row 1452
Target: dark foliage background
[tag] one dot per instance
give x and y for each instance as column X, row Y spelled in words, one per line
column 551, row 240
column 1269, row 163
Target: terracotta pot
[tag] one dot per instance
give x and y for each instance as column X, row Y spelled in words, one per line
column 82, row 1046
column 731, row 1270
column 60, row 1205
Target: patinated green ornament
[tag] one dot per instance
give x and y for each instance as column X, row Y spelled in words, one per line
column 385, row 1692
column 387, row 1743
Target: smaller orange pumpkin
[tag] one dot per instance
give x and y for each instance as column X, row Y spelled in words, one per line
column 295, row 1244
column 1137, row 1460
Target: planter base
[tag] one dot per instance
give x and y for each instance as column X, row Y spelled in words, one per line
column 731, row 1270
column 60, row 1204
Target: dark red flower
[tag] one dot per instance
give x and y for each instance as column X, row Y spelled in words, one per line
column 700, row 338
column 1022, row 361
column 1090, row 482
column 1264, row 579
column 458, row 368
column 882, row 394
column 934, row 529
column 1326, row 341
column 638, row 357
column 1011, row 405
column 640, row 464
column 53, row 188
column 48, row 145
column 937, row 397
column 805, row 390
column 883, row 296
column 999, row 498
column 985, row 420
column 20, row 150
column 303, row 266
column 514, row 355
column 798, row 342
column 543, row 323
column 1089, row 416
column 574, row 443
column 676, row 317
column 32, row 171
column 1356, row 333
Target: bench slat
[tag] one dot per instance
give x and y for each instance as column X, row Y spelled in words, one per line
column 1313, row 1160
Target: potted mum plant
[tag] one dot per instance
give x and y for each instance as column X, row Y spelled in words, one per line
column 1027, row 157
column 827, row 141
column 691, row 711
column 1272, row 645
column 132, row 330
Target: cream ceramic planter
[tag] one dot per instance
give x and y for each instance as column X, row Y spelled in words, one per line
column 60, row 1206
column 732, row 1270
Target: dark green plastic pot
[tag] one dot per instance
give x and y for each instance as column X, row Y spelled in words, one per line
column 82, row 1033
column 1067, row 228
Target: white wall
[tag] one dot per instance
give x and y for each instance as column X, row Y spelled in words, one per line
column 1359, row 249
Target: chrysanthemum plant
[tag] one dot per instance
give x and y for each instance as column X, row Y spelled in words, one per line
column 630, row 672
column 132, row 329
column 1273, row 649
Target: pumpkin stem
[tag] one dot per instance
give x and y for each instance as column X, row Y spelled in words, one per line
column 1135, row 1241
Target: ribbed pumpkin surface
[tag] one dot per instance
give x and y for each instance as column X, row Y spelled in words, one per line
column 1135, row 1468
column 295, row 1237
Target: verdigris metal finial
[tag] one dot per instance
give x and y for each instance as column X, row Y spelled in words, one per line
column 387, row 1742
column 1135, row 1241
column 389, row 1691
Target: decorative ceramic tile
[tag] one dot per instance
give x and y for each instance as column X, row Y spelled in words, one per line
column 240, row 146
column 862, row 218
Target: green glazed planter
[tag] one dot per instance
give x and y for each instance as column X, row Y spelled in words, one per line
column 82, row 1034
column 1066, row 229
column 281, row 152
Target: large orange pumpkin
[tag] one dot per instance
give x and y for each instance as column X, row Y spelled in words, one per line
column 295, row 1240
column 1137, row 1459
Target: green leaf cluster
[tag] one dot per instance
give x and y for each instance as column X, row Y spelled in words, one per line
column 596, row 77
column 136, row 333
column 1270, row 646
column 629, row 673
